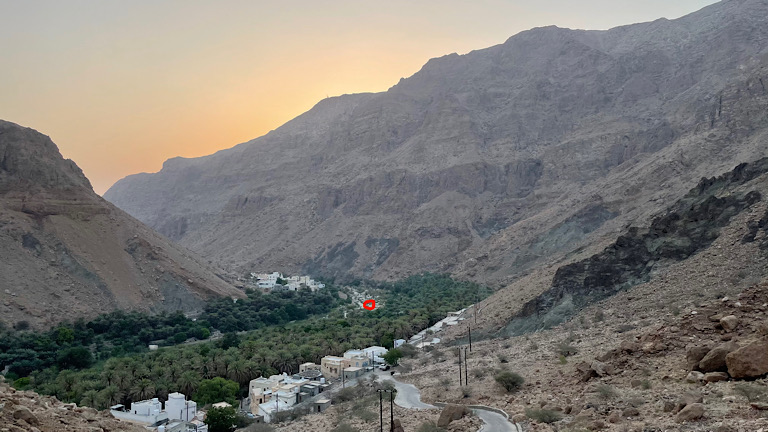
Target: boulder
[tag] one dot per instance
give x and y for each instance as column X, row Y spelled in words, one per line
column 690, row 412
column 715, row 377
column 714, row 361
column 762, row 406
column 600, row 368
column 694, row 354
column 23, row 413
column 450, row 413
column 729, row 323
column 694, row 377
column 750, row 361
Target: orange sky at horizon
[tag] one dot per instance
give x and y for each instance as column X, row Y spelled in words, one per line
column 123, row 86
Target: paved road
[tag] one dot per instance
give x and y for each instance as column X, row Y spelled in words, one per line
column 495, row 422
column 408, row 396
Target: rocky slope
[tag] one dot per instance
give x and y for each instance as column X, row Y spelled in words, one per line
column 66, row 253
column 27, row 411
column 485, row 164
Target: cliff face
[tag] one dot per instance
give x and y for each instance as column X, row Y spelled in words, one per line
column 67, row 253
column 484, row 164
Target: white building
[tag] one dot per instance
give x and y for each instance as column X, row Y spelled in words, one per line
column 375, row 353
column 270, row 409
column 178, row 408
column 146, row 412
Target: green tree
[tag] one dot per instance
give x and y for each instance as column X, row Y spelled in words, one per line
column 221, row 419
column 75, row 358
column 217, row 390
column 392, row 356
column 64, row 335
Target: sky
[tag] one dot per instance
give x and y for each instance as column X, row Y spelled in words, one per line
column 121, row 86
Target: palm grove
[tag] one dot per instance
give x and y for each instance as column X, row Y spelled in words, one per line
column 106, row 361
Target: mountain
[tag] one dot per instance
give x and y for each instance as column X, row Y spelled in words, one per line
column 485, row 165
column 66, row 253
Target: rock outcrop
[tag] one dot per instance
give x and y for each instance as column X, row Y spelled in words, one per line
column 64, row 248
column 750, row 361
column 485, row 165
column 26, row 411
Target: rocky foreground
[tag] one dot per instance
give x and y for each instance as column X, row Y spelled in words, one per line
column 27, row 411
column 701, row 366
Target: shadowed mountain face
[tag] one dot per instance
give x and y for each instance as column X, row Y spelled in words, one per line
column 67, row 253
column 484, row 164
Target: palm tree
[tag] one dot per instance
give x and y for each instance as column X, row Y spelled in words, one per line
column 90, row 399
column 188, row 383
column 110, row 395
column 143, row 389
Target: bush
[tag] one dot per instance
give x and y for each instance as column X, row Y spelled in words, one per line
column 543, row 415
column 509, row 380
column 343, row 427
column 366, row 415
column 606, row 392
column 429, row 426
column 503, row 358
column 478, row 373
column 347, row 394
column 408, row 350
column 566, row 350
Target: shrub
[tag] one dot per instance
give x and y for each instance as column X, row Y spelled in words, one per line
column 366, row 415
column 566, row 350
column 445, row 382
column 503, row 358
column 606, row 392
column 466, row 392
column 478, row 373
column 543, row 415
column 347, row 394
column 509, row 380
column 563, row 360
column 645, row 384
column 343, row 427
column 429, row 426
column 408, row 350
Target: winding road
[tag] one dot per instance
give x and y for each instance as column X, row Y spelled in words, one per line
column 408, row 396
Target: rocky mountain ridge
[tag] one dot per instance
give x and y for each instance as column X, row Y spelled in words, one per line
column 67, row 253
column 484, row 165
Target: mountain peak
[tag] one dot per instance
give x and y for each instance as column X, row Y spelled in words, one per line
column 31, row 162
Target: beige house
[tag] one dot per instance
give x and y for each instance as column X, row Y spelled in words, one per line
column 332, row 366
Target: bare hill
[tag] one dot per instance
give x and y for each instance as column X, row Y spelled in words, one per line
column 485, row 165
column 66, row 253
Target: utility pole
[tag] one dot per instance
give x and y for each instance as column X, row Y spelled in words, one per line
column 459, row 367
column 466, row 375
column 381, row 413
column 391, row 409
column 469, row 332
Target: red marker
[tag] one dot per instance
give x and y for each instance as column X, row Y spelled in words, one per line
column 369, row 304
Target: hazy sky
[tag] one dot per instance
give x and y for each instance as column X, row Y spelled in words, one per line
column 121, row 86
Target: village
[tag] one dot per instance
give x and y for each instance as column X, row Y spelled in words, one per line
column 309, row 390
column 275, row 282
